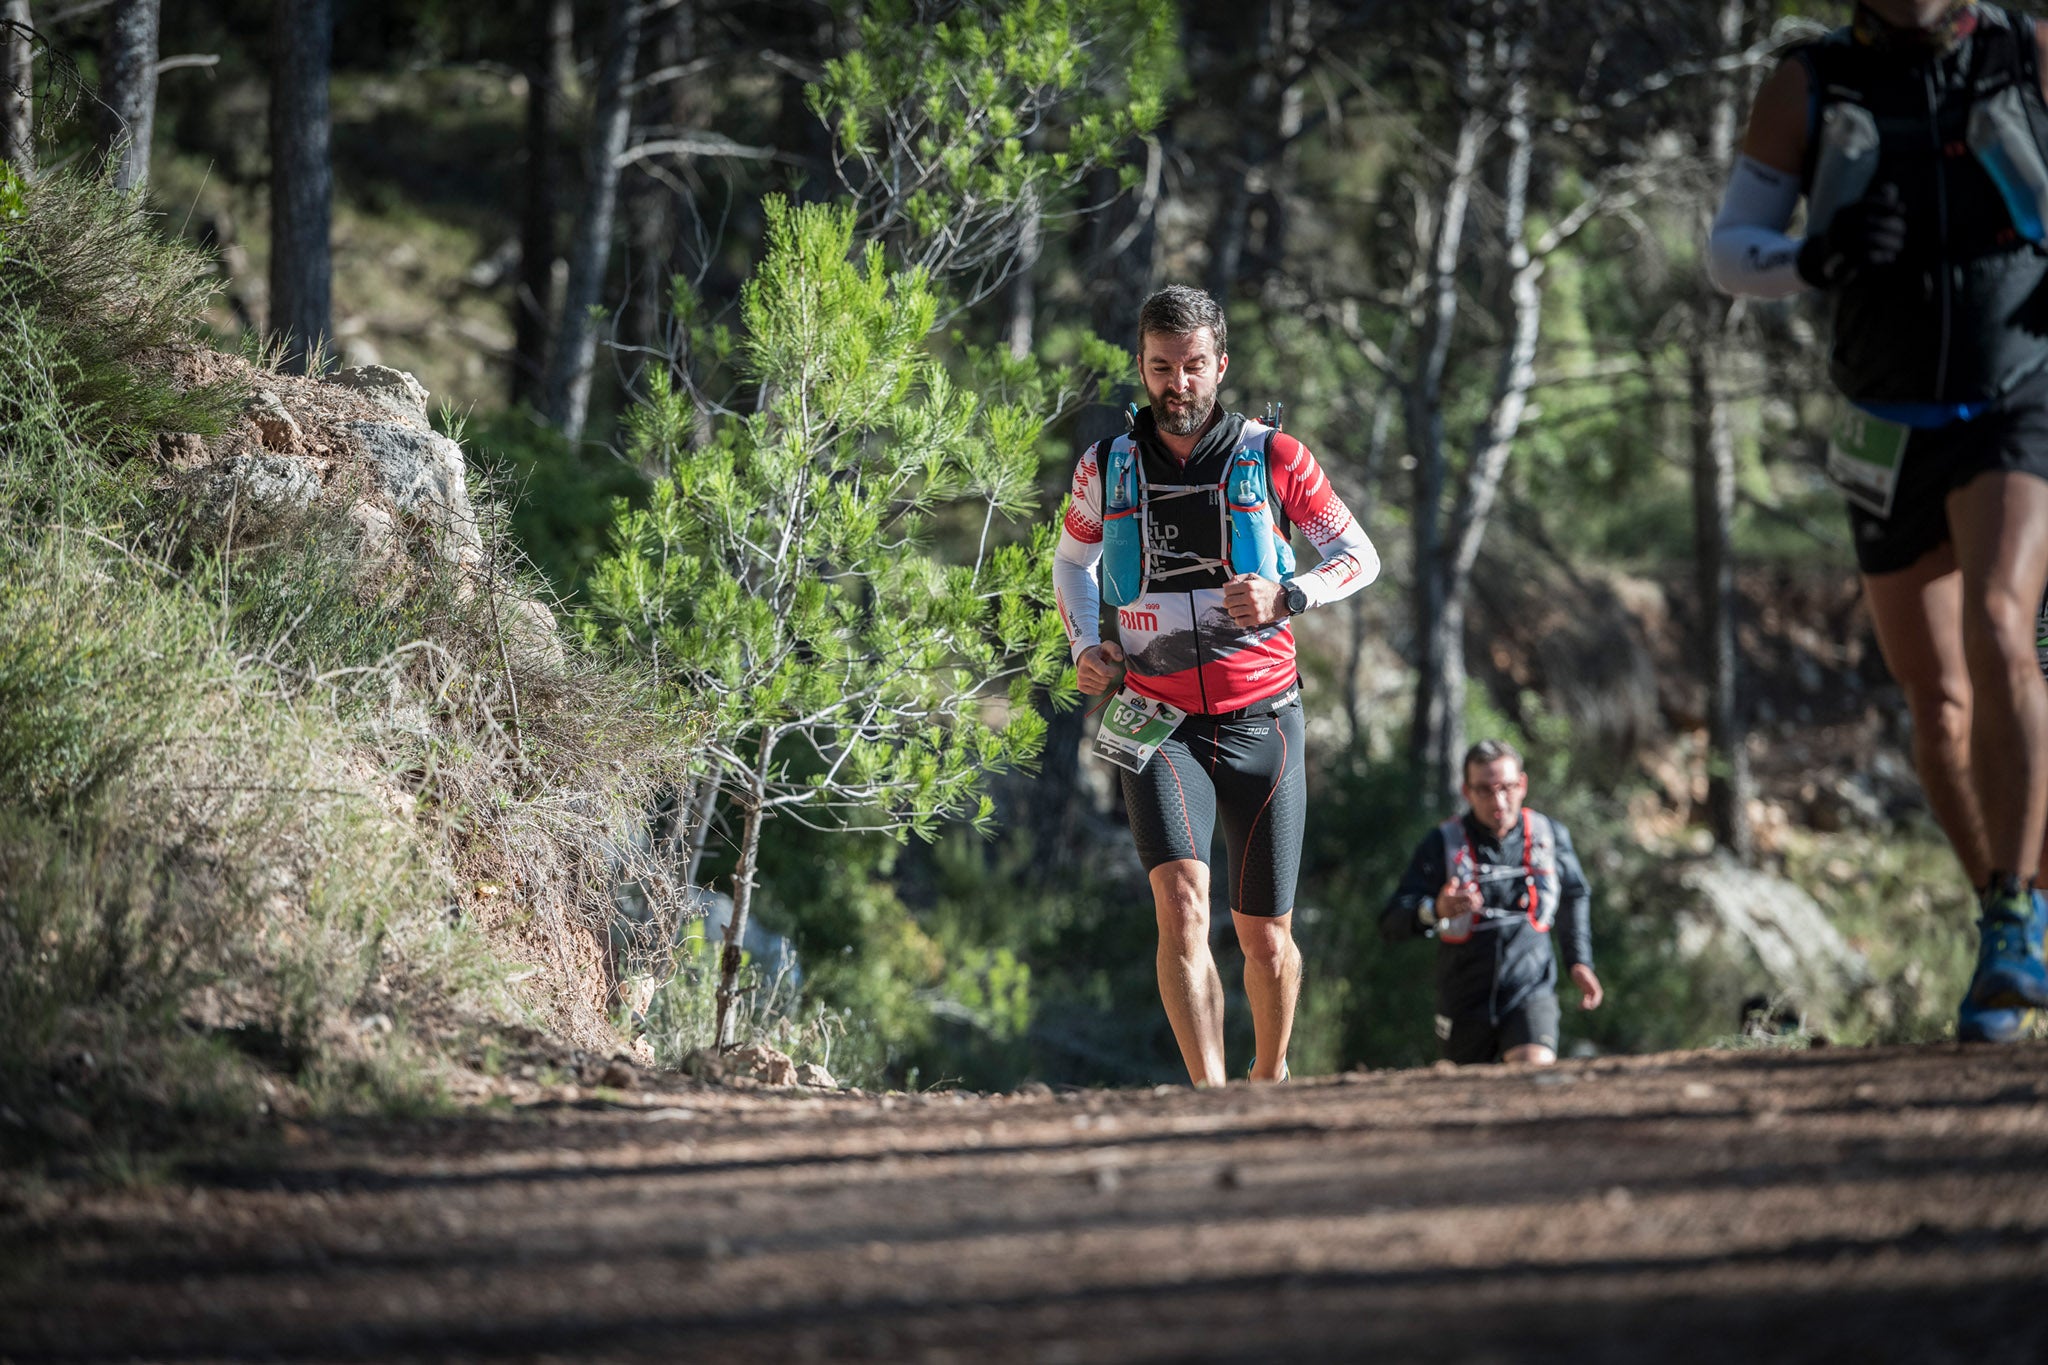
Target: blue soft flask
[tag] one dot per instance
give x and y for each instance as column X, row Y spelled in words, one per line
column 1253, row 547
column 1123, row 543
column 2002, row 137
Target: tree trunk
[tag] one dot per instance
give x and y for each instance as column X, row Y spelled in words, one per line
column 17, row 88
column 1438, row 743
column 1713, row 492
column 1022, row 300
column 1362, row 509
column 550, row 58
column 697, row 832
column 567, row 400
column 127, row 101
column 301, row 179
column 1713, row 499
column 1429, row 721
column 727, row 1034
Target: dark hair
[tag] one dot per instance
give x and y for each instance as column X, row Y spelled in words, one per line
column 1487, row 751
column 1179, row 311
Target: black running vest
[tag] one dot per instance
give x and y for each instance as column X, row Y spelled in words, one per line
column 1963, row 316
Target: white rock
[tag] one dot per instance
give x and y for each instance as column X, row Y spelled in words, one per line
column 395, row 390
column 1722, row 905
column 815, row 1076
column 423, row 475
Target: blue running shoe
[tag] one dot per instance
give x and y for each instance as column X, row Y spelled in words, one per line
column 2010, row 974
column 1974, row 1024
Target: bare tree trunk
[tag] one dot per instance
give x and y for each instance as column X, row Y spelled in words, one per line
column 698, row 833
column 17, row 88
column 1362, row 508
column 727, row 1031
column 1729, row 785
column 301, row 179
column 550, row 57
column 567, row 398
column 1022, row 298
column 1439, row 738
column 1429, row 721
column 127, row 102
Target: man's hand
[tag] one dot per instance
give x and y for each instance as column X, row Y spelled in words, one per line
column 1098, row 668
column 1458, row 898
column 1589, row 986
column 1870, row 232
column 1254, row 601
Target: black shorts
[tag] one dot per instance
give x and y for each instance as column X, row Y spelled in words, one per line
column 2013, row 437
column 1253, row 770
column 1474, row 1038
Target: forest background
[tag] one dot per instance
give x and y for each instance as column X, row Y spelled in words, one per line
column 1460, row 242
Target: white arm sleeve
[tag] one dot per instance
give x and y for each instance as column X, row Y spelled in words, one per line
column 1077, row 592
column 1748, row 251
column 1349, row 563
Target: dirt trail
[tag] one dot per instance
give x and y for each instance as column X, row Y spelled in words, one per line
column 1883, row 1205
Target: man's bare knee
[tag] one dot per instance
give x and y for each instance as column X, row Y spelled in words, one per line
column 2002, row 617
column 1267, row 940
column 1180, row 895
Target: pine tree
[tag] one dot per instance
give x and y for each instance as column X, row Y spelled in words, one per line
column 780, row 578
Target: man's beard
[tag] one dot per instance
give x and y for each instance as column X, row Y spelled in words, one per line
column 1184, row 421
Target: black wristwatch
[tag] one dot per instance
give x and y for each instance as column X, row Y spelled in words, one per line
column 1297, row 598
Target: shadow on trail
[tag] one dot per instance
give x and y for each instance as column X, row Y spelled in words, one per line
column 1989, row 1309
column 1184, row 1202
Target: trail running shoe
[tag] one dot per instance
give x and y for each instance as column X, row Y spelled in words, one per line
column 2010, row 974
column 1975, row 1024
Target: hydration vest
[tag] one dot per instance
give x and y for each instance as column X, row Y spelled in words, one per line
column 1542, row 887
column 1962, row 318
column 1253, row 538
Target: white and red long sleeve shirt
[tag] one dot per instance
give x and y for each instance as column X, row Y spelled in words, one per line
column 1180, row 644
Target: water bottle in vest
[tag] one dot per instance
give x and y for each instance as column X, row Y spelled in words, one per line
column 1123, row 546
column 1254, row 548
column 1845, row 165
column 2003, row 140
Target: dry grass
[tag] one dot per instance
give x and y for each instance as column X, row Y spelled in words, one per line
column 276, row 816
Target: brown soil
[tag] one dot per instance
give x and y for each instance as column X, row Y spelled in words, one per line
column 1888, row 1204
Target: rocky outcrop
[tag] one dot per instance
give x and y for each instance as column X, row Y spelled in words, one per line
column 1770, row 931
column 360, row 441
column 393, row 390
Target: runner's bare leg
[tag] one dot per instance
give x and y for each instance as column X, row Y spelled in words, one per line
column 1272, row 982
column 1189, row 986
column 1999, row 522
column 1918, row 614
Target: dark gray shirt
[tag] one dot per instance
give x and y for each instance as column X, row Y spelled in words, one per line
column 1507, row 959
